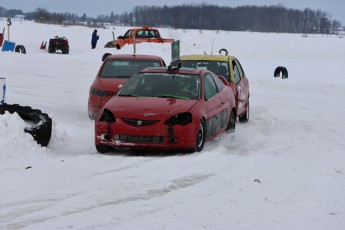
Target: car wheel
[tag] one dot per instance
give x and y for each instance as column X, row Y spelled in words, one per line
column 103, row 148
column 245, row 117
column 232, row 122
column 200, row 137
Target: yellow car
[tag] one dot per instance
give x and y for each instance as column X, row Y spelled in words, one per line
column 228, row 67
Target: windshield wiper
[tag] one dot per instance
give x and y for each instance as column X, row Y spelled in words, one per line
column 128, row 95
column 122, row 77
column 173, row 96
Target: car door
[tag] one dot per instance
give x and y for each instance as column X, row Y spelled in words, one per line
column 214, row 106
column 242, row 86
column 225, row 99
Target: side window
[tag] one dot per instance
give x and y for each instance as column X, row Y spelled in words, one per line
column 236, row 72
column 131, row 34
column 210, row 86
column 224, row 70
column 219, row 83
column 239, row 68
column 139, row 34
column 126, row 34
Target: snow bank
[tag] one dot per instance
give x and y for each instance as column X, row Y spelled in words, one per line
column 14, row 141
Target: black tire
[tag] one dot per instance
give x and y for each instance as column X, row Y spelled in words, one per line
column 105, row 56
column 232, row 122
column 200, row 137
column 65, row 49
column 51, row 49
column 244, row 118
column 103, row 148
column 41, row 129
column 223, row 50
column 281, row 69
column 20, row 49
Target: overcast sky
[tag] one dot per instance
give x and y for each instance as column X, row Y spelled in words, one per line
column 336, row 8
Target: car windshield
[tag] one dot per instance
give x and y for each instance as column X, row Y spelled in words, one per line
column 165, row 85
column 125, row 68
column 217, row 67
column 147, row 34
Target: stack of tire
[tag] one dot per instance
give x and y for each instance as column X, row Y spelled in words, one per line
column 41, row 129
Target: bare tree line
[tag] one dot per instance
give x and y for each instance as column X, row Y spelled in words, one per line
column 202, row 16
column 252, row 18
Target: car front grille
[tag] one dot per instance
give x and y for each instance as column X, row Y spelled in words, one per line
column 140, row 139
column 138, row 122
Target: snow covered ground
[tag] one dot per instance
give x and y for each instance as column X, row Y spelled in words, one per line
column 285, row 169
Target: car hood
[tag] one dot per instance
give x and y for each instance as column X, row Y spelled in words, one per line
column 112, row 84
column 148, row 107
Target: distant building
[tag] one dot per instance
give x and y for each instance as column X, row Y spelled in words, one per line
column 19, row 17
column 339, row 30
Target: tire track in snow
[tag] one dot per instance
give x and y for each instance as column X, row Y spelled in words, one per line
column 176, row 185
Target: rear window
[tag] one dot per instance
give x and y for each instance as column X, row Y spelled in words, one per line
column 217, row 67
column 115, row 68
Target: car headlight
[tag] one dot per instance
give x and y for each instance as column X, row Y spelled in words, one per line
column 99, row 92
column 180, row 119
column 107, row 116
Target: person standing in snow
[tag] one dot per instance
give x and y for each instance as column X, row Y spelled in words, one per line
column 94, row 39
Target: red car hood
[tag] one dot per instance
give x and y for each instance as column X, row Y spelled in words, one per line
column 111, row 84
column 147, row 107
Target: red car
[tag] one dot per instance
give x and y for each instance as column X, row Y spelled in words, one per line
column 114, row 72
column 166, row 108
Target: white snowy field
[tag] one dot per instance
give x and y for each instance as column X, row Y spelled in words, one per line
column 285, row 169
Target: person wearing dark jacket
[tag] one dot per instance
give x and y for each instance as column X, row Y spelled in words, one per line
column 94, row 39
